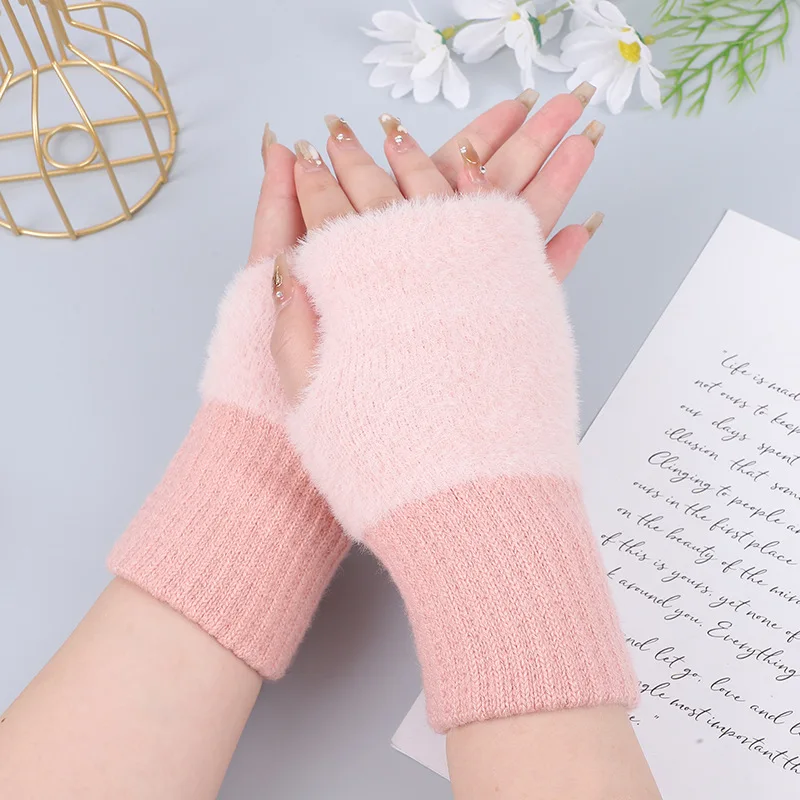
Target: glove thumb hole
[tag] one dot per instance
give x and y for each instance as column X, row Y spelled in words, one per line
column 294, row 336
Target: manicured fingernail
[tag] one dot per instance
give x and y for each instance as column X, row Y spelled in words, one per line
column 282, row 282
column 396, row 133
column 594, row 131
column 594, row 222
column 528, row 98
column 584, row 93
column 267, row 140
column 308, row 155
column 476, row 172
column 340, row 131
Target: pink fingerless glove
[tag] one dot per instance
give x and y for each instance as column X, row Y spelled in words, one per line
column 235, row 537
column 441, row 426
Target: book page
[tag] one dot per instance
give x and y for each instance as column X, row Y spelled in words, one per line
column 692, row 483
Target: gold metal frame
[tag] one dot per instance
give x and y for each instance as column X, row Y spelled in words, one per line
column 62, row 56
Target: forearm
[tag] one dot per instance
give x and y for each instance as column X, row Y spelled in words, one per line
column 138, row 703
column 578, row 754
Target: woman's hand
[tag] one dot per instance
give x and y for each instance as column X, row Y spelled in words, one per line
column 495, row 151
column 440, row 425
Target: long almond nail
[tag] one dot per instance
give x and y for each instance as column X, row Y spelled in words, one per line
column 308, row 155
column 594, row 222
column 594, row 131
column 396, row 133
column 473, row 167
column 267, row 140
column 528, row 98
column 282, row 282
column 584, row 92
column 341, row 132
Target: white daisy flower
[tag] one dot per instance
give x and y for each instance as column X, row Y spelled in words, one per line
column 503, row 22
column 416, row 58
column 610, row 56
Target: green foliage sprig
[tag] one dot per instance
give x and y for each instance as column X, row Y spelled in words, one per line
column 731, row 39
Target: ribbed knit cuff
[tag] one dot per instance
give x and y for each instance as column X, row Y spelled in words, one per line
column 507, row 599
column 236, row 538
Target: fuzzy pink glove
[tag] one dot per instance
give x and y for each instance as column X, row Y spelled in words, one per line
column 235, row 537
column 441, row 426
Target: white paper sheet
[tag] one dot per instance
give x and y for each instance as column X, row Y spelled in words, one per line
column 692, row 481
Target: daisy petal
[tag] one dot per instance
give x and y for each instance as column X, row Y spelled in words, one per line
column 387, row 52
column 427, row 38
column 425, row 89
column 384, row 75
column 602, row 80
column 455, row 86
column 479, row 41
column 619, row 90
column 648, row 86
column 518, row 31
column 587, row 70
column 380, row 35
column 575, row 56
column 587, row 35
column 401, row 89
column 552, row 27
column 611, row 13
column 481, row 9
column 550, row 63
column 526, row 78
column 395, row 24
column 580, row 15
column 419, row 16
column 431, row 64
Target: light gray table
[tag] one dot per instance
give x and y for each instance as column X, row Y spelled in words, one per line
column 102, row 343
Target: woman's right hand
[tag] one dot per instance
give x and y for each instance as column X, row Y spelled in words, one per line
column 439, row 421
column 517, row 159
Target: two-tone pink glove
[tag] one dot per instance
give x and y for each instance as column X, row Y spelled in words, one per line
column 440, row 424
column 235, row 537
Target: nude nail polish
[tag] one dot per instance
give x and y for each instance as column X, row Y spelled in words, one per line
column 594, row 222
column 396, row 133
column 528, row 98
column 308, row 156
column 282, row 282
column 267, row 140
column 473, row 167
column 584, row 92
column 594, row 131
column 341, row 132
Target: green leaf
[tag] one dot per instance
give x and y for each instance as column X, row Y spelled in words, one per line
column 728, row 40
column 537, row 29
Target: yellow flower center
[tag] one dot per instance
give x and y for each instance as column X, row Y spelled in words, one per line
column 448, row 33
column 631, row 51
column 515, row 16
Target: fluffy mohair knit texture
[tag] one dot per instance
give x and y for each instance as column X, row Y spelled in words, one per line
column 235, row 537
column 441, row 426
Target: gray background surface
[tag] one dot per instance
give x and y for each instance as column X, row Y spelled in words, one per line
column 102, row 342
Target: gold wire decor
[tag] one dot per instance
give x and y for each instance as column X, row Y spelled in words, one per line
column 74, row 62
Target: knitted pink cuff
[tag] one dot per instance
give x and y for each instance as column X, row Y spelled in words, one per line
column 440, row 425
column 235, row 537
column 507, row 599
